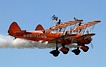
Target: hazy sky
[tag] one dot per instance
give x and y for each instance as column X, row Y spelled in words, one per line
column 29, row 13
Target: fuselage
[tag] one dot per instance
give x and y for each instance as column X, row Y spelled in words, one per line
column 36, row 35
column 53, row 37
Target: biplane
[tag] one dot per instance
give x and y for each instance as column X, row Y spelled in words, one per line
column 62, row 36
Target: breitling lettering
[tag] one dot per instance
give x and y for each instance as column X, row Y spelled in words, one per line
column 34, row 36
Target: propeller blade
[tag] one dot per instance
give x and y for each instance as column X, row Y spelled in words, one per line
column 92, row 45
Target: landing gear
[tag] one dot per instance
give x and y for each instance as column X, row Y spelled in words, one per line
column 64, row 50
column 85, row 48
column 55, row 53
column 76, row 51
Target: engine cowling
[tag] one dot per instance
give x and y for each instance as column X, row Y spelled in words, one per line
column 84, row 41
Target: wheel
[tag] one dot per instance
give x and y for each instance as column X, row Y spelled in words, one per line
column 64, row 50
column 76, row 51
column 55, row 53
column 85, row 48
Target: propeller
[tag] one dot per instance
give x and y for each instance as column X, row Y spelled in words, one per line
column 92, row 45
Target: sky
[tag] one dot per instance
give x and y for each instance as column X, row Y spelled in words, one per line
column 29, row 13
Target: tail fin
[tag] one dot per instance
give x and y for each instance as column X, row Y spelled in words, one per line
column 39, row 27
column 13, row 28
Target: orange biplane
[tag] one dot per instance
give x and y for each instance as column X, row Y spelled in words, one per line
column 76, row 37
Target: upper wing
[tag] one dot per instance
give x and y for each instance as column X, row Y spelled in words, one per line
column 88, row 24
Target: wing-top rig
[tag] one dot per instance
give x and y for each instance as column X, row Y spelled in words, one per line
column 62, row 36
column 63, row 25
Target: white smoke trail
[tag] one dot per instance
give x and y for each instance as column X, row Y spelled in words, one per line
column 5, row 41
column 10, row 42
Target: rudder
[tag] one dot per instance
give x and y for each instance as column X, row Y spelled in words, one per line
column 39, row 27
column 13, row 28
